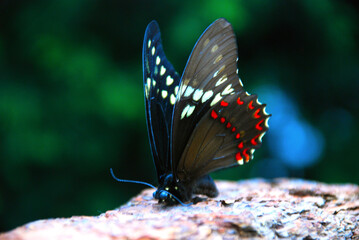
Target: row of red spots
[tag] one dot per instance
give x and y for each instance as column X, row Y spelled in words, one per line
column 240, row 145
column 250, row 105
column 256, row 113
column 224, row 104
column 214, row 115
column 239, row 101
column 246, row 155
column 238, row 156
column 253, row 140
column 258, row 127
column 222, row 119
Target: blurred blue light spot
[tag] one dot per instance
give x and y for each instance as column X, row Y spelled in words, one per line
column 296, row 143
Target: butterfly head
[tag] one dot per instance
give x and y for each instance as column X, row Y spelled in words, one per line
column 168, row 190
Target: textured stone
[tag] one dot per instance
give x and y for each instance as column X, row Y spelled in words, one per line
column 252, row 209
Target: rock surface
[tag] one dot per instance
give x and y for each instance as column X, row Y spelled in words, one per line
column 252, row 209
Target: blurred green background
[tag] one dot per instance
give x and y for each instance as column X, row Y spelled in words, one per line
column 71, row 95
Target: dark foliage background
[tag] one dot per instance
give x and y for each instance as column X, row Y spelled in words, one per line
column 71, row 95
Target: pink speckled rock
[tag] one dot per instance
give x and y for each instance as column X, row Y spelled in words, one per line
column 253, row 209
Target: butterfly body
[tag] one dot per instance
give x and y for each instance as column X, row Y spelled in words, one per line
column 184, row 191
column 202, row 121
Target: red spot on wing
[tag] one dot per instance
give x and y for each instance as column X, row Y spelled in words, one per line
column 259, row 128
column 228, row 125
column 233, row 129
column 239, row 101
column 250, row 105
column 240, row 145
column 238, row 156
column 222, row 119
column 224, row 104
column 246, row 154
column 214, row 115
column 253, row 141
column 238, row 135
column 256, row 115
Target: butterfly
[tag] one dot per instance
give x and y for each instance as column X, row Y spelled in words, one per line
column 201, row 121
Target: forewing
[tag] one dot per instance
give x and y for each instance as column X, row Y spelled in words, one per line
column 209, row 82
column 160, row 86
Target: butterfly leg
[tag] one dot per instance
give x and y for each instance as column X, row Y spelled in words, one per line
column 206, row 186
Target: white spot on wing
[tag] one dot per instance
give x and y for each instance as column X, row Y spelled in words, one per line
column 188, row 91
column 219, row 58
column 163, row 70
column 265, row 111
column 206, row 42
column 266, row 122
column 216, row 99
column 153, row 50
column 153, row 82
column 240, row 81
column 172, row 99
column 184, row 111
column 197, row 94
column 221, row 80
column 190, row 110
column 169, row 80
column 207, row 95
column 219, row 71
column 158, row 60
column 260, row 137
column 214, row 48
column 147, row 87
column 156, row 70
column 240, row 162
column 227, row 90
column 176, row 90
column 183, row 88
column 146, row 91
column 149, row 43
column 164, row 94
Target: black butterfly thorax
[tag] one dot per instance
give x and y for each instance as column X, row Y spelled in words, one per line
column 202, row 121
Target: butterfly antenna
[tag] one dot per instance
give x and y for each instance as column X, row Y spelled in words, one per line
column 130, row 181
column 147, row 184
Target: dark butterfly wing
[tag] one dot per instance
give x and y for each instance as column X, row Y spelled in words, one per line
column 216, row 124
column 160, row 85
